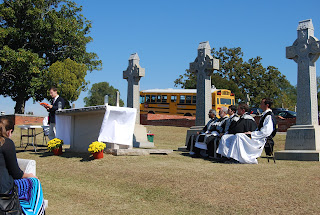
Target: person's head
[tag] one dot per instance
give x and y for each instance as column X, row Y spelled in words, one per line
column 232, row 109
column 6, row 129
column 53, row 92
column 212, row 113
column 266, row 104
column 242, row 108
column 223, row 111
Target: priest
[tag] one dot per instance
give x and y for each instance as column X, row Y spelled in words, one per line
column 205, row 141
column 247, row 146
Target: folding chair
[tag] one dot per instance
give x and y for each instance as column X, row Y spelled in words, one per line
column 268, row 148
column 45, row 130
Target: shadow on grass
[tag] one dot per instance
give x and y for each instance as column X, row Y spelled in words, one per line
column 67, row 154
column 212, row 160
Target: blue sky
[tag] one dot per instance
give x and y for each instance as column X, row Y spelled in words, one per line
column 166, row 34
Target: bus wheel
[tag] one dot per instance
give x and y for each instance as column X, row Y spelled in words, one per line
column 188, row 114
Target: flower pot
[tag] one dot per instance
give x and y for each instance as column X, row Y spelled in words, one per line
column 57, row 151
column 98, row 155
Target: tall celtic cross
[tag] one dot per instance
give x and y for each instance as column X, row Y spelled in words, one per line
column 203, row 66
column 133, row 74
column 305, row 52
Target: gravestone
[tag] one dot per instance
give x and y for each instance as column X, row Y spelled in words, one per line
column 133, row 74
column 203, row 66
column 303, row 139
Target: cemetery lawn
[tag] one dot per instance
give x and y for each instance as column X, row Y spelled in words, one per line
column 173, row 184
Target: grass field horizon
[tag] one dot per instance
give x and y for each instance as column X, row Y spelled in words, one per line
column 74, row 183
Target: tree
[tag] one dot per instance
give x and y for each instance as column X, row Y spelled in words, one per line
column 69, row 77
column 244, row 78
column 97, row 93
column 35, row 34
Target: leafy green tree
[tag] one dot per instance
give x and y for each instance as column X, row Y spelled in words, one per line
column 69, row 77
column 97, row 93
column 35, row 34
column 244, row 78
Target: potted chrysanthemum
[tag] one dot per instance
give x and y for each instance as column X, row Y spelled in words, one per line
column 96, row 148
column 55, row 146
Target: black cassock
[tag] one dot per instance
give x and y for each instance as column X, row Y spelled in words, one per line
column 244, row 124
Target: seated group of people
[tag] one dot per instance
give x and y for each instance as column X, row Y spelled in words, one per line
column 237, row 138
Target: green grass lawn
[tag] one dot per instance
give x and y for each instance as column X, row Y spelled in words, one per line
column 174, row 184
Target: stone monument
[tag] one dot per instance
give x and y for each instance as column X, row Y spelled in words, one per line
column 203, row 66
column 133, row 74
column 303, row 139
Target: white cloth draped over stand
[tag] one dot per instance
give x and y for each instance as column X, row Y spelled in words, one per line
column 118, row 125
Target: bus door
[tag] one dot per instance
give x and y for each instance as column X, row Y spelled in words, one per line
column 173, row 104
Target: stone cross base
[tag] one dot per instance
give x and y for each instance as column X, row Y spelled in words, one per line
column 302, row 143
column 117, row 146
column 140, row 139
column 191, row 131
column 137, row 152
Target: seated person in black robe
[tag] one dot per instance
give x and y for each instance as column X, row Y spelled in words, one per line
column 213, row 118
column 245, row 123
column 233, row 118
column 212, row 133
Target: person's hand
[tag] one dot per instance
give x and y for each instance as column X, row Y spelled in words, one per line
column 198, row 132
column 29, row 175
column 49, row 106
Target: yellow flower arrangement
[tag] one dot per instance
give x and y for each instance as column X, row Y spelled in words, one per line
column 96, row 147
column 54, row 144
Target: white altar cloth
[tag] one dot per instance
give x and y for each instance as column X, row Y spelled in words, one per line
column 63, row 128
column 118, row 125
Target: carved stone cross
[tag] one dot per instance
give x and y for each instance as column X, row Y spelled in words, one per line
column 305, row 51
column 133, row 74
column 203, row 66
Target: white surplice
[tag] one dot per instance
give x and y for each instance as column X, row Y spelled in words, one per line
column 243, row 148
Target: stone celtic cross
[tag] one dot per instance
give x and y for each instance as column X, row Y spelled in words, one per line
column 133, row 74
column 305, row 51
column 203, row 66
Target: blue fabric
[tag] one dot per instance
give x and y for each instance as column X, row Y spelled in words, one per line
column 30, row 196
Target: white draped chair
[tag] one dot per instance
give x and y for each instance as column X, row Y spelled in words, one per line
column 29, row 166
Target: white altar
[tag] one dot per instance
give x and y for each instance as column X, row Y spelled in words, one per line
column 82, row 126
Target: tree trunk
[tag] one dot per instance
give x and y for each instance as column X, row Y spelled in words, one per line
column 20, row 106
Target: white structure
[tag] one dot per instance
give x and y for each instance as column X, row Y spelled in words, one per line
column 303, row 139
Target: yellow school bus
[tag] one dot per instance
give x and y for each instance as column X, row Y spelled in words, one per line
column 180, row 101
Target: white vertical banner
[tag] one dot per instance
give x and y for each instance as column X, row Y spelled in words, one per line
column 63, row 128
column 118, row 125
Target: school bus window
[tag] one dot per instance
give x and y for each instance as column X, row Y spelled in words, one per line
column 217, row 101
column 225, row 101
column 142, row 99
column 188, row 99
column 225, row 92
column 194, row 99
column 182, row 99
column 159, row 99
column 173, row 98
column 153, row 98
column 164, row 98
column 148, row 98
